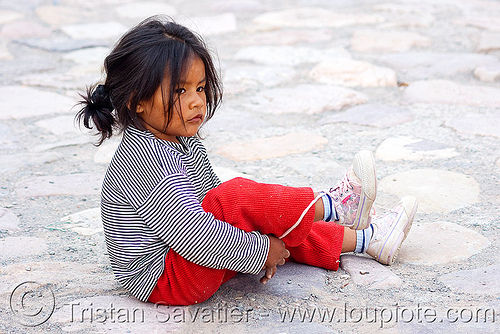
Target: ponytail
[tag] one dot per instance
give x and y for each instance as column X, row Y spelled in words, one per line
column 98, row 110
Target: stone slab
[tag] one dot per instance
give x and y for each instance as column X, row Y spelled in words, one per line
column 87, row 222
column 26, row 161
column 59, row 15
column 61, row 44
column 448, row 92
column 311, row 17
column 106, row 151
column 285, row 55
column 242, row 6
column 9, row 16
column 482, row 280
column 8, row 141
column 488, row 73
column 349, row 72
column 480, row 21
column 368, row 272
column 17, row 105
column 19, row 247
column 413, row 149
column 268, row 76
column 60, row 125
column 23, row 29
column 88, row 55
column 72, row 278
column 226, row 174
column 387, row 41
column 78, row 184
column 489, row 41
column 72, row 141
column 436, row 190
column 120, row 314
column 291, row 280
column 404, row 15
column 486, row 124
column 305, row 99
column 271, row 147
column 4, row 51
column 439, row 243
column 101, row 30
column 377, row 115
column 429, row 65
column 8, row 221
column 210, row 25
column 144, row 9
column 286, row 37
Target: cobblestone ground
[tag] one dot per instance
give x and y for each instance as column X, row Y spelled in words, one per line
column 308, row 84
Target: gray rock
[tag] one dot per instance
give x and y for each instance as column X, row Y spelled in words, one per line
column 210, row 25
column 482, row 280
column 292, row 280
column 408, row 148
column 429, row 65
column 60, row 185
column 485, row 124
column 436, row 190
column 488, row 73
column 368, row 272
column 490, row 41
column 23, row 29
column 252, row 76
column 288, row 56
column 377, row 115
column 448, row 92
column 305, row 99
column 60, row 44
column 9, row 16
column 311, row 17
column 8, row 221
column 144, row 9
column 439, row 243
column 271, row 147
column 387, row 41
column 18, row 247
column 102, row 30
column 348, row 72
column 16, row 105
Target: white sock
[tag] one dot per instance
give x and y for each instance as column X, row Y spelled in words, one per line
column 363, row 238
column 330, row 214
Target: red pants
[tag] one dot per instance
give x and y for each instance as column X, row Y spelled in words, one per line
column 251, row 206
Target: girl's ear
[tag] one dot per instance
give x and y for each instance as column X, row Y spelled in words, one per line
column 139, row 109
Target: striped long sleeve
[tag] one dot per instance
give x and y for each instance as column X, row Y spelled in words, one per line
column 151, row 202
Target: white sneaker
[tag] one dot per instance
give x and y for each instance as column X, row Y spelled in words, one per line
column 354, row 195
column 390, row 230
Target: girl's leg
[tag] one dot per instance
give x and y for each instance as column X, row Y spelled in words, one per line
column 272, row 209
column 251, row 206
column 186, row 283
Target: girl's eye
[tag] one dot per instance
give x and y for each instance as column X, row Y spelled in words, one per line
column 180, row 90
column 200, row 89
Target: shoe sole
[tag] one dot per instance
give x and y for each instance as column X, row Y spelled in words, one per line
column 364, row 168
column 406, row 214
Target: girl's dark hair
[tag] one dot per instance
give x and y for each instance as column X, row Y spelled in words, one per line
column 136, row 67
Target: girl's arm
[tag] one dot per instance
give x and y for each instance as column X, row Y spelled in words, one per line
column 174, row 213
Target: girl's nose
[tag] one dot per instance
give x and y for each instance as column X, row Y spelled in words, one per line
column 196, row 101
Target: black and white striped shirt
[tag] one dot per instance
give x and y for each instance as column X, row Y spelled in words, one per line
column 150, row 203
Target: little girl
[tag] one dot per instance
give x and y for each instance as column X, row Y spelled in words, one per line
column 173, row 231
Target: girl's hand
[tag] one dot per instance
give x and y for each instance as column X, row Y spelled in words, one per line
column 276, row 256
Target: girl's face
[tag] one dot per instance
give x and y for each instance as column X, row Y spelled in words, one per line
column 189, row 111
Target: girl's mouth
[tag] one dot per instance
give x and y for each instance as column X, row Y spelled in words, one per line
column 196, row 119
